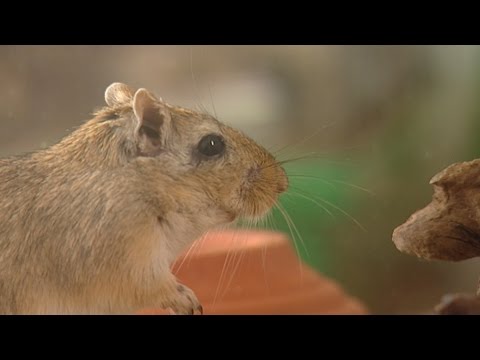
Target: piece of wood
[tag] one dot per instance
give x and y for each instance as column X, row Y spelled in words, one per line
column 459, row 304
column 448, row 228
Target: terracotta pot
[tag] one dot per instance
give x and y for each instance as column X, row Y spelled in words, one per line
column 257, row 272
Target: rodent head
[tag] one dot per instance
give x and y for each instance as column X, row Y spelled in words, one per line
column 220, row 166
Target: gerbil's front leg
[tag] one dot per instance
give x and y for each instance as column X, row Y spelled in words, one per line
column 179, row 298
column 184, row 301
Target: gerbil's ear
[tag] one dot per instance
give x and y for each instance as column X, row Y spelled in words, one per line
column 153, row 120
column 118, row 94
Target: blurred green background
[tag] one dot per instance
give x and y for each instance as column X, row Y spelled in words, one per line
column 381, row 120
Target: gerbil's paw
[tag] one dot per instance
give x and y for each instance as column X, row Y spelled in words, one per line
column 185, row 302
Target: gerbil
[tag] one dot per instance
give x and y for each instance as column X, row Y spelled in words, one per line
column 93, row 223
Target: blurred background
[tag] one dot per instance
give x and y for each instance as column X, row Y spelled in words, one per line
column 372, row 123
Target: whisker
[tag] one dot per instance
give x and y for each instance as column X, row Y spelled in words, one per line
column 317, row 156
column 315, row 202
column 187, row 254
column 308, row 156
column 249, row 224
column 302, row 157
column 354, row 186
column 211, row 100
column 329, row 182
column 229, row 261
column 297, row 250
column 226, row 264
column 269, row 220
column 195, row 84
column 304, row 140
column 235, row 267
column 199, row 246
column 291, row 225
column 339, row 209
column 296, row 230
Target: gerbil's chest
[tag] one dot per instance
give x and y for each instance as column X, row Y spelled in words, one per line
column 177, row 231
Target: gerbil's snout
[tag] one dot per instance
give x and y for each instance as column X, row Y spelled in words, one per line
column 262, row 179
column 264, row 182
column 273, row 174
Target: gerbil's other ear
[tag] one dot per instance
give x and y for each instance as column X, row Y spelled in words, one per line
column 118, row 94
column 153, row 120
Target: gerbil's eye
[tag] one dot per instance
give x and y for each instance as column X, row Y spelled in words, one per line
column 211, row 145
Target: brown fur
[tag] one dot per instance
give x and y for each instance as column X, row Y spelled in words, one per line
column 92, row 224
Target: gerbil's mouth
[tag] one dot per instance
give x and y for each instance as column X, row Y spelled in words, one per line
column 272, row 174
